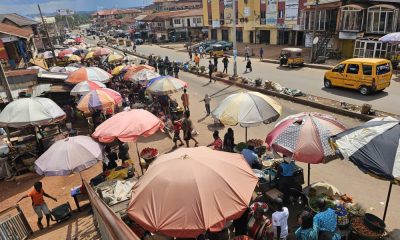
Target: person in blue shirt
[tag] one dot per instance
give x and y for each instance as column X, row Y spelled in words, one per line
column 286, row 180
column 325, row 222
column 306, row 230
column 251, row 157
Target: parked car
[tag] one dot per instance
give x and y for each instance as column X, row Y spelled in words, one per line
column 366, row 75
column 225, row 45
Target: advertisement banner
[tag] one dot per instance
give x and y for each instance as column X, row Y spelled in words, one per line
column 65, row 12
column 272, row 12
column 216, row 24
column 291, row 10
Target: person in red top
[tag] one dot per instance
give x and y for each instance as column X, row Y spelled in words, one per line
column 177, row 133
column 38, row 203
column 217, row 144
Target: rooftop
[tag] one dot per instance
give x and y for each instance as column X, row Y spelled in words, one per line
column 191, row 13
column 19, row 20
column 15, row 31
column 160, row 16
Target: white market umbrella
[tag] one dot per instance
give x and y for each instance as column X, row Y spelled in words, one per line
column 85, row 87
column 248, row 109
column 73, row 154
column 37, row 68
column 30, row 111
column 164, row 85
column 59, row 69
column 391, row 38
column 143, row 76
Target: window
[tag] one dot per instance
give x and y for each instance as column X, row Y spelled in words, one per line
column 382, row 19
column 198, row 20
column 370, row 48
column 177, row 21
column 382, row 69
column 352, row 19
column 339, row 68
column 281, row 14
column 367, row 70
column 353, row 68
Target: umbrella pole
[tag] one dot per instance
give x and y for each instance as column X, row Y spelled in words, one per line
column 140, row 162
column 245, row 134
column 387, row 200
column 308, row 175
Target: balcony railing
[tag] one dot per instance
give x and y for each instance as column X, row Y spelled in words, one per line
column 351, row 19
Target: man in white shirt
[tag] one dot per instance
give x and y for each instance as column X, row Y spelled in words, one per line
column 280, row 221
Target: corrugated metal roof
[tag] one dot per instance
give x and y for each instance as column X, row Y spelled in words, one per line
column 18, row 19
column 15, row 31
column 191, row 13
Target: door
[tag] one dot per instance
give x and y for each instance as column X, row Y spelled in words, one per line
column 213, row 34
column 352, row 76
column 336, row 76
column 251, row 36
column 265, row 36
column 383, row 75
column 225, row 35
column 188, row 22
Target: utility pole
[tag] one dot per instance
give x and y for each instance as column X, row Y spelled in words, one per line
column 66, row 19
column 4, row 82
column 234, row 39
column 47, row 35
column 314, row 30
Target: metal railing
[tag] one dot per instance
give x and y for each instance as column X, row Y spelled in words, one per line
column 110, row 226
column 13, row 224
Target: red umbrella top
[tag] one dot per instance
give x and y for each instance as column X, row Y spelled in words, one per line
column 305, row 137
column 78, row 40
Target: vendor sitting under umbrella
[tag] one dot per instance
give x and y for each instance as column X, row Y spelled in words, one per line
column 251, row 157
column 285, row 174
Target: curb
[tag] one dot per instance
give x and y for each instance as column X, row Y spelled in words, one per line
column 314, row 104
column 309, row 65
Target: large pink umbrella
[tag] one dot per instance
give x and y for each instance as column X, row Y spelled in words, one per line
column 305, row 137
column 127, row 126
column 186, row 192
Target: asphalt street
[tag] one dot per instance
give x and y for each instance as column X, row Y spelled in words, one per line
column 308, row 80
column 366, row 190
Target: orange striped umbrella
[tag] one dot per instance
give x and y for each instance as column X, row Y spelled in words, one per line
column 89, row 73
column 101, row 99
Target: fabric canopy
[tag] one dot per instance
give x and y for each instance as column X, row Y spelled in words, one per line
column 128, row 126
column 69, row 155
column 373, row 147
column 30, row 111
column 186, row 192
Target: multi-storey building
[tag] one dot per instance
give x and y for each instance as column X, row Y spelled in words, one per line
column 351, row 28
column 258, row 21
column 188, row 24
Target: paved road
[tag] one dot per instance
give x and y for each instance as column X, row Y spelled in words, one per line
column 306, row 79
column 370, row 192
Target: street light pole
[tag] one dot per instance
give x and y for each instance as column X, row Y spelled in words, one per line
column 314, row 29
column 234, row 39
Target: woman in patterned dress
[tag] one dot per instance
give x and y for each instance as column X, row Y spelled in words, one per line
column 259, row 226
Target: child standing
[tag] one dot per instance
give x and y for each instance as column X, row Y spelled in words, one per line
column 38, row 203
column 177, row 133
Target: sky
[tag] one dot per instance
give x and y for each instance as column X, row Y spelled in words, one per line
column 25, row 7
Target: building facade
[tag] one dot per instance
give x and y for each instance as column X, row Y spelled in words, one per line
column 189, row 24
column 258, row 21
column 350, row 28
